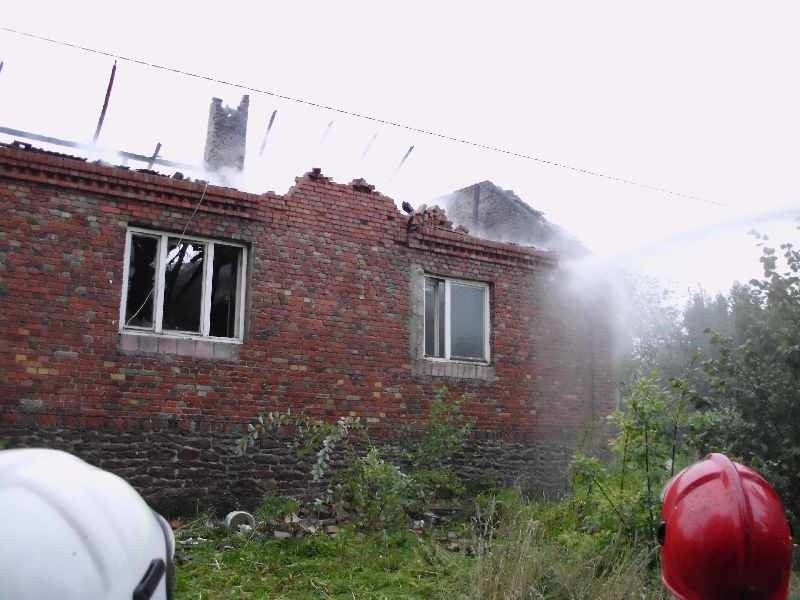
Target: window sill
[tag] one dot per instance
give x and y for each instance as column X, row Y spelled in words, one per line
column 142, row 342
column 455, row 361
column 454, row 369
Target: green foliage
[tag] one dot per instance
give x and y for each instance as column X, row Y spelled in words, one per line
column 376, row 492
column 353, row 564
column 274, row 508
column 650, row 325
column 328, row 438
column 752, row 403
column 741, row 355
column 432, row 485
column 383, row 496
column 666, row 339
column 366, row 488
column 445, row 432
column 600, row 541
column 311, row 436
column 531, row 551
column 619, row 500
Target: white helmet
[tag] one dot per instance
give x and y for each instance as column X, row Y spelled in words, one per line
column 71, row 531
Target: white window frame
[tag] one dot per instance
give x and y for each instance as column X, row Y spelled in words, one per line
column 448, row 281
column 160, row 276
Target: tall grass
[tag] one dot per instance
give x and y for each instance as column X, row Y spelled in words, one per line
column 519, row 559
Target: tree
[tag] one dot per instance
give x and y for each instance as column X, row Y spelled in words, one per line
column 649, row 329
column 666, row 339
column 752, row 400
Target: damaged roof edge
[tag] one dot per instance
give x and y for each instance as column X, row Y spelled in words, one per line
column 25, row 162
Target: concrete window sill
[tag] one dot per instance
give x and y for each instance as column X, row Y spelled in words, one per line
column 453, row 369
column 206, row 349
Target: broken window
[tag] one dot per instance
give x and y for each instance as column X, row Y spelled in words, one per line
column 224, row 283
column 141, row 280
column 456, row 319
column 183, row 285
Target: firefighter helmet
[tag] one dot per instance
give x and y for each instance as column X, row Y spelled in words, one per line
column 72, row 531
column 724, row 534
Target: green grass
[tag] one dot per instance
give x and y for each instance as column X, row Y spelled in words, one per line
column 351, row 565
column 528, row 554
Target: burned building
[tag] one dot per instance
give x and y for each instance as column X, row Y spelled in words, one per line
column 491, row 212
column 148, row 319
column 226, row 138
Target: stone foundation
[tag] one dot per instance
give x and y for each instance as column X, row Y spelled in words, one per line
column 184, row 472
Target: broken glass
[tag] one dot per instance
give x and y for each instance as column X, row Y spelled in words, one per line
column 183, row 285
column 224, row 286
column 141, row 281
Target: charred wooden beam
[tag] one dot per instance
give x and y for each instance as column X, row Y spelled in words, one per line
column 155, row 155
column 81, row 146
column 325, row 133
column 266, row 135
column 105, row 102
column 369, row 146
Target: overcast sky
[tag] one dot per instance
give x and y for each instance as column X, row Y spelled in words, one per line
column 697, row 97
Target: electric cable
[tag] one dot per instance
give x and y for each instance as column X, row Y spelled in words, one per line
column 180, row 241
column 357, row 115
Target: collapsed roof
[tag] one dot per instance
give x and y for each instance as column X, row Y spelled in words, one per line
column 491, row 212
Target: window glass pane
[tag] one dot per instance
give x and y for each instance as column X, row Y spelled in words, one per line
column 141, row 281
column 434, row 317
column 467, row 321
column 183, row 285
column 224, row 278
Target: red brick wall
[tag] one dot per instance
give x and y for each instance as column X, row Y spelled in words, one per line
column 328, row 310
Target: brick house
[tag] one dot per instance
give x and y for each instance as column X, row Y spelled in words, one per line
column 497, row 214
column 147, row 319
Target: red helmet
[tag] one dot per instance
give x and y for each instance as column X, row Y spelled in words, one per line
column 724, row 534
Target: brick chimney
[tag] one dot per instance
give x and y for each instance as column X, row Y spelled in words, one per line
column 226, row 136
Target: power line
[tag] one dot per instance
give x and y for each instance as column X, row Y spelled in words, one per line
column 177, row 244
column 396, row 124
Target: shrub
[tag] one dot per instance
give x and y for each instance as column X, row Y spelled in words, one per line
column 431, row 485
column 376, row 492
column 529, row 550
column 275, row 508
column 444, row 434
column 621, row 498
column 311, row 436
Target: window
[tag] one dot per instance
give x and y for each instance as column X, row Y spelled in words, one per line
column 183, row 285
column 456, row 319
